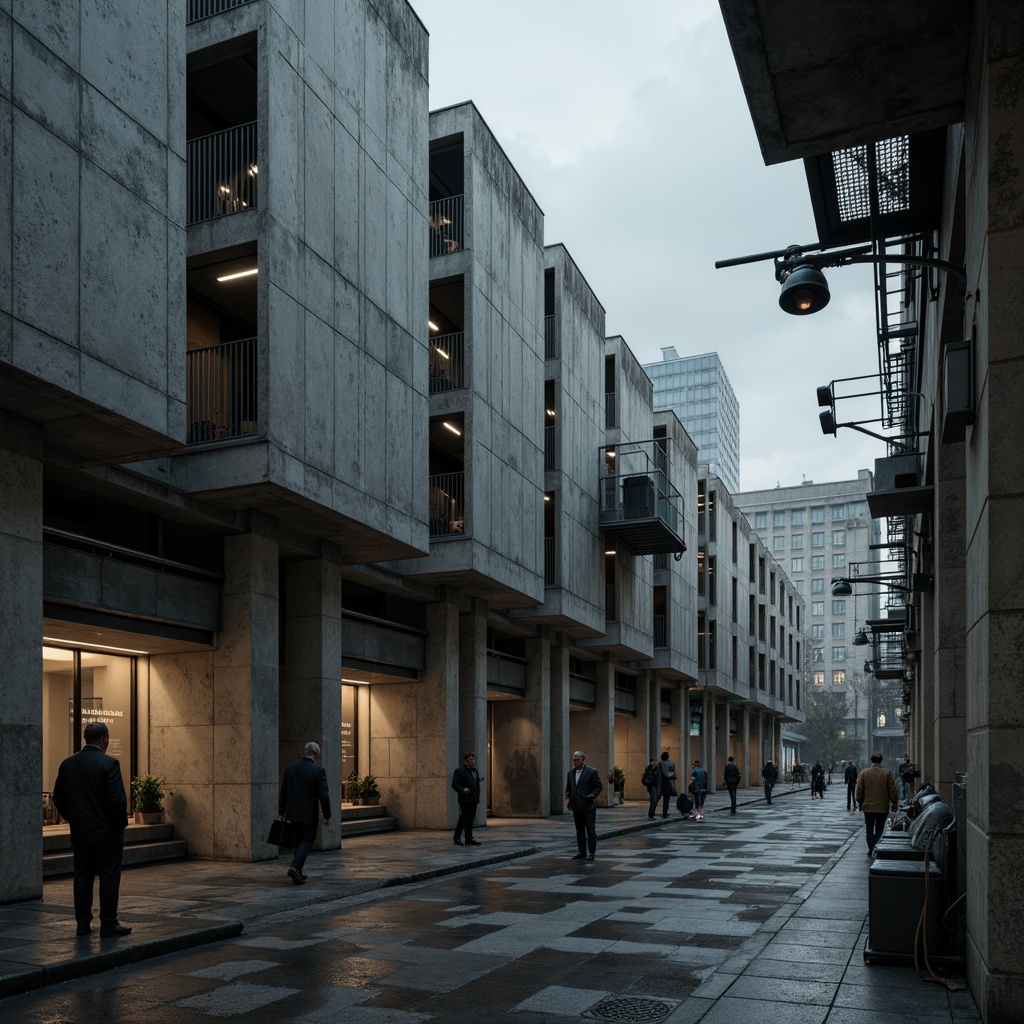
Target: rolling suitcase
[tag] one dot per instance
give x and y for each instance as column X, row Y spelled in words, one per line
column 684, row 803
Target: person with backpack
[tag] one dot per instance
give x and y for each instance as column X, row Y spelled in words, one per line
column 667, row 770
column 818, row 781
column 651, row 781
column 699, row 781
column 769, row 775
column 732, row 782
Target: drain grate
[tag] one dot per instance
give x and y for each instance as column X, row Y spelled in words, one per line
column 631, row 1010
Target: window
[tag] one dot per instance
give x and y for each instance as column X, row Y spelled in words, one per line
column 796, row 565
column 817, row 607
column 838, row 630
column 796, row 542
column 839, row 561
column 817, row 586
column 817, row 563
column 819, row 678
column 817, row 515
column 839, row 607
column 838, row 538
column 799, row 584
column 797, row 518
column 818, row 631
column 839, row 677
column 839, row 654
column 818, row 539
column 778, row 519
column 838, row 513
column 760, row 520
column 778, row 543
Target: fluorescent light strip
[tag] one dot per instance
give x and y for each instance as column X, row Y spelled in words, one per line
column 454, row 430
column 96, row 647
column 241, row 273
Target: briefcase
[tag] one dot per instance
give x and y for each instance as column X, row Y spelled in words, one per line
column 283, row 833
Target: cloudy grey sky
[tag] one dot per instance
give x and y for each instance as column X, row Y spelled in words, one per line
column 628, row 125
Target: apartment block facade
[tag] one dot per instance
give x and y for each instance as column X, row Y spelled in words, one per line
column 314, row 437
column 821, row 532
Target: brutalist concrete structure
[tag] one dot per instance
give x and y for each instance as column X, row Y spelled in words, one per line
column 933, row 95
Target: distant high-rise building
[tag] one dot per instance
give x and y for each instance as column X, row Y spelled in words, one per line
column 698, row 391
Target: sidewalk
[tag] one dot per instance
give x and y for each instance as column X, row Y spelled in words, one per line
column 181, row 905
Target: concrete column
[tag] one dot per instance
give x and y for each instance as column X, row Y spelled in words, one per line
column 593, row 731
column 719, row 715
column 21, row 660
column 473, row 705
column 943, row 727
column 414, row 731
column 632, row 739
column 519, row 753
column 310, row 697
column 214, row 715
column 559, row 760
column 749, row 765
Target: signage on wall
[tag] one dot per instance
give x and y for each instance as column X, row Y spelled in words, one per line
column 696, row 714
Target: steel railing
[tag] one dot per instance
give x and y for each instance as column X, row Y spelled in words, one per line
column 447, row 504
column 661, row 631
column 550, row 451
column 447, row 226
column 610, row 611
column 447, row 362
column 220, row 391
column 223, row 173
column 550, row 565
column 199, row 9
column 550, row 349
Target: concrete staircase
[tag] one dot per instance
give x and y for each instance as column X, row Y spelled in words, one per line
column 362, row 821
column 143, row 844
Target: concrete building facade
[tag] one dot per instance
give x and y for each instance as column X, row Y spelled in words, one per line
column 937, row 99
column 341, row 466
column 820, row 532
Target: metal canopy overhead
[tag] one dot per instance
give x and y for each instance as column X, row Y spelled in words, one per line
column 825, row 76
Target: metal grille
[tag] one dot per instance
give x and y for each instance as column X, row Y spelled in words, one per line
column 550, row 349
column 220, row 391
column 223, row 173
column 447, row 504
column 199, row 9
column 447, row 362
column 631, row 1009
column 447, row 222
column 853, row 187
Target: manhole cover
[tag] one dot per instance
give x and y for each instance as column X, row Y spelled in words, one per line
column 631, row 1009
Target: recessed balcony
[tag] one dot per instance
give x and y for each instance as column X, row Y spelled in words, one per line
column 447, row 226
column 223, row 173
column 447, row 504
column 220, row 391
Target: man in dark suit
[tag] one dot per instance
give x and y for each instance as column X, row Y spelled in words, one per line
column 90, row 796
column 581, row 791
column 466, row 782
column 303, row 786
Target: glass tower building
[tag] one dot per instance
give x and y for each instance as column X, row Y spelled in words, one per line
column 698, row 391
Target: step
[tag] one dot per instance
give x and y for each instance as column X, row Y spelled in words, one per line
column 59, row 840
column 367, row 826
column 352, row 813
column 135, row 854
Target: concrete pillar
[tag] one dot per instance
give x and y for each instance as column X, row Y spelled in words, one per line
column 214, row 715
column 593, row 731
column 633, row 739
column 519, row 752
column 310, row 697
column 21, row 660
column 473, row 704
column 750, row 767
column 715, row 742
column 559, row 760
column 414, row 731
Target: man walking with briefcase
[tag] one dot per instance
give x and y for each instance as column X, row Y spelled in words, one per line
column 303, row 786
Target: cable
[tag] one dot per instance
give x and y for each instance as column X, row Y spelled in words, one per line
column 921, row 934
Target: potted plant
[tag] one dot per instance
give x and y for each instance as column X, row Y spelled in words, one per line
column 370, row 790
column 147, row 797
column 354, row 788
column 619, row 782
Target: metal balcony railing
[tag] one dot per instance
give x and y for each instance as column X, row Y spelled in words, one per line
column 223, row 173
column 199, row 9
column 550, row 451
column 447, row 362
column 610, row 420
column 661, row 631
column 447, row 226
column 220, row 391
column 550, row 349
column 610, row 611
column 447, row 504
column 550, row 566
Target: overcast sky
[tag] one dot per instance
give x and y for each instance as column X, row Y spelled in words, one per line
column 628, row 125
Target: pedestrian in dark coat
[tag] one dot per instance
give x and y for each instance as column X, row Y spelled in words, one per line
column 850, row 778
column 732, row 782
column 769, row 775
column 89, row 794
column 466, row 783
column 582, row 787
column 303, row 787
column 667, row 769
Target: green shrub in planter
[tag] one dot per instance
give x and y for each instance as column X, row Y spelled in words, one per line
column 147, row 794
column 371, row 791
column 354, row 786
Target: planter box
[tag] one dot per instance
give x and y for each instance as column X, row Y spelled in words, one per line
column 149, row 818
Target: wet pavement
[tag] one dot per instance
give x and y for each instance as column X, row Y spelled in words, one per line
column 758, row 916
